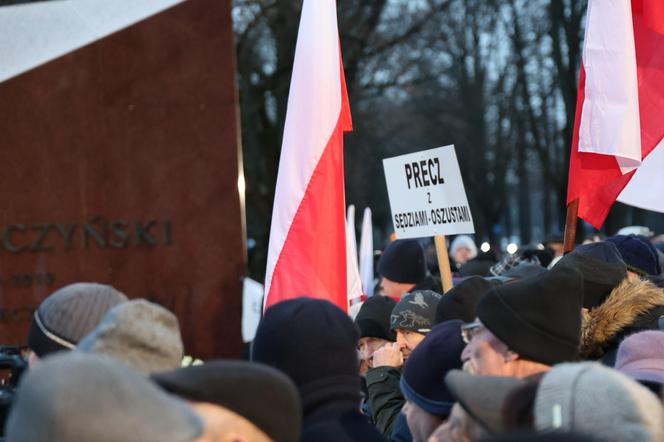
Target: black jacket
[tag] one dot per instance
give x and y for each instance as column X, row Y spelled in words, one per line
column 333, row 414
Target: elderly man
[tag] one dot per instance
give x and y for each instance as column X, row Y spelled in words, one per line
column 525, row 327
column 412, row 319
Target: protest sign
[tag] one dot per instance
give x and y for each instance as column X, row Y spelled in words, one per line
column 427, row 198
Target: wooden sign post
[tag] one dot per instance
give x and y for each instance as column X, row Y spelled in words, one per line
column 443, row 262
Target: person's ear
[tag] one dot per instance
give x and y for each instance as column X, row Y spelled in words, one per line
column 510, row 356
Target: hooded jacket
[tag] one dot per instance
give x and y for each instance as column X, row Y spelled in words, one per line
column 631, row 307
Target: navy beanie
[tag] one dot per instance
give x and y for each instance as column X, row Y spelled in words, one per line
column 602, row 267
column 373, row 319
column 423, row 379
column 638, row 253
column 315, row 343
column 403, row 261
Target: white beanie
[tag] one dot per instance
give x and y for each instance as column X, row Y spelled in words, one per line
column 463, row 241
column 597, row 401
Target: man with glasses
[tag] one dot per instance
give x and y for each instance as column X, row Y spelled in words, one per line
column 525, row 327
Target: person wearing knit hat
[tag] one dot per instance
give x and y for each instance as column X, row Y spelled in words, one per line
column 428, row 401
column 315, row 343
column 262, row 395
column 602, row 267
column 525, row 327
column 72, row 397
column 142, row 334
column 373, row 320
column 639, row 254
column 460, row 302
column 462, row 250
column 641, row 357
column 69, row 314
column 599, row 402
column 483, row 397
column 412, row 319
column 403, row 268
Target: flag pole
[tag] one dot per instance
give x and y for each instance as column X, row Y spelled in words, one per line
column 570, row 226
column 443, row 262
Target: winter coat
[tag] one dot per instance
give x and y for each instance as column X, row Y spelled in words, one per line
column 385, row 397
column 631, row 307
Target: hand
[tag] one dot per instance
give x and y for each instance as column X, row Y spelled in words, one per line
column 388, row 356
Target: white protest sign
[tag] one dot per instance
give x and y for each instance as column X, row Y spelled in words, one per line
column 426, row 194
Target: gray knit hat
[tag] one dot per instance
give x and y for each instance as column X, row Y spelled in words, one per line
column 69, row 314
column 597, row 401
column 139, row 333
column 76, row 397
column 416, row 311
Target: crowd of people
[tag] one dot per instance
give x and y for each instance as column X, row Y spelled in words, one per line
column 534, row 346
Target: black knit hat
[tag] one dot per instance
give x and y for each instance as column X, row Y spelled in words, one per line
column 423, row 377
column 638, row 253
column 315, row 343
column 461, row 301
column 373, row 319
column 416, row 311
column 540, row 317
column 602, row 268
column 403, row 261
column 263, row 395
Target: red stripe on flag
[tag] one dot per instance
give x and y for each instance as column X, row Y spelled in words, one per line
column 312, row 261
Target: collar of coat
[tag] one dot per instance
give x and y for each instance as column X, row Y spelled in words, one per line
column 625, row 306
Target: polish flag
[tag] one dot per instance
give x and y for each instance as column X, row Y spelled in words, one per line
column 307, row 252
column 617, row 151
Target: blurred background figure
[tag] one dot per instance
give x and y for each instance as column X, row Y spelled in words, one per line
column 462, row 250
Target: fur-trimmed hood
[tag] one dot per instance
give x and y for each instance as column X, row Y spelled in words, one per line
column 632, row 306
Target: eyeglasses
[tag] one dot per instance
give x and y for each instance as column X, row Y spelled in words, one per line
column 470, row 330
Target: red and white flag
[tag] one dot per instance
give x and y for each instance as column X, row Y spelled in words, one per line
column 617, row 151
column 307, row 252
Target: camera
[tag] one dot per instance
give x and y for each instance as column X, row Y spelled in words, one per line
column 12, row 366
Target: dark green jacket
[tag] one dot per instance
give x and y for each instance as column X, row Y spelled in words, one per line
column 385, row 397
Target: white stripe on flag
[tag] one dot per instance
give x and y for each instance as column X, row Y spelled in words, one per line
column 644, row 189
column 610, row 117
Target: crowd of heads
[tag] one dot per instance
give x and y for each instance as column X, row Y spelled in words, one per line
column 535, row 345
